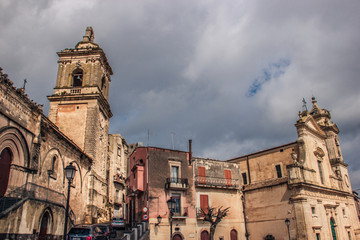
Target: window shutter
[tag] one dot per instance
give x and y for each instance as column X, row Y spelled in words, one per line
column 202, row 175
column 228, row 177
column 204, row 202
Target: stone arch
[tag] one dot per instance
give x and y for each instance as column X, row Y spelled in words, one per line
column 269, row 237
column 79, row 172
column 77, row 77
column 204, row 235
column 233, row 234
column 177, row 236
column 45, row 223
column 5, row 165
column 54, row 152
column 12, row 138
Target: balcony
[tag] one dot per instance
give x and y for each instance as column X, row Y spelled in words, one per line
column 214, row 182
column 177, row 183
column 119, row 179
column 181, row 214
column 199, row 213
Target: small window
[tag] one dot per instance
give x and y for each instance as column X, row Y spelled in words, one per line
column 278, row 171
column 119, row 151
column 321, row 172
column 313, row 210
column 53, row 164
column 77, row 78
column 174, row 174
column 244, row 178
column 177, row 198
column 318, row 236
column 103, row 83
column 349, row 234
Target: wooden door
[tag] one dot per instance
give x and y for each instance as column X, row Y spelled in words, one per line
column 204, row 235
column 233, row 235
column 44, row 226
column 177, row 237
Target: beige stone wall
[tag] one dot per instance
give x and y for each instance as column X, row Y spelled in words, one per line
column 222, row 198
column 117, row 167
column 27, row 219
column 266, row 211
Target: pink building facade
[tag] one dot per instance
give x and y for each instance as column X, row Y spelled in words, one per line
column 155, row 176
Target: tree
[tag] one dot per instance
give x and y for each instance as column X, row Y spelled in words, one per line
column 214, row 217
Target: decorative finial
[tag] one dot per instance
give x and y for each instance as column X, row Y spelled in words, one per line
column 25, row 81
column 313, row 100
column 89, row 35
column 304, row 105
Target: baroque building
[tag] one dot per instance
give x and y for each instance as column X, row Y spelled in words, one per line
column 35, row 149
column 305, row 182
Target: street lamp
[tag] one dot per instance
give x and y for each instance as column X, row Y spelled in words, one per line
column 159, row 220
column 171, row 205
column 70, row 174
column 287, row 222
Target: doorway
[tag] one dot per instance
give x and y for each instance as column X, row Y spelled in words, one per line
column 205, row 235
column 5, row 164
column 44, row 226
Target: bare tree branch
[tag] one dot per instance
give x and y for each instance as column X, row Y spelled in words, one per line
column 214, row 217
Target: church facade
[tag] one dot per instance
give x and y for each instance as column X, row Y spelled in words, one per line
column 300, row 190
column 35, row 149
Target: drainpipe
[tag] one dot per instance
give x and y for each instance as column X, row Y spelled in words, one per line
column 248, row 168
column 190, row 151
column 247, row 235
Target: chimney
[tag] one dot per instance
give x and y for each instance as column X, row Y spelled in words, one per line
column 190, row 152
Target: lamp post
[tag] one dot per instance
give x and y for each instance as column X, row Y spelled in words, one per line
column 70, row 174
column 171, row 205
column 287, row 222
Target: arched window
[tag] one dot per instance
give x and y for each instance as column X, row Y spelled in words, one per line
column 77, row 77
column 53, row 164
column 5, row 163
column 233, row 235
column 205, row 235
column 333, row 231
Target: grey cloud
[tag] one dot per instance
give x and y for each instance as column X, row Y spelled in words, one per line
column 186, row 66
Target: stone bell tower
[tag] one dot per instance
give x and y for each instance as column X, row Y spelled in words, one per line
column 79, row 105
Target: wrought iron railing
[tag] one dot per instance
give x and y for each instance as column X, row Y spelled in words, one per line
column 34, row 191
column 199, row 213
column 182, row 212
column 216, row 182
column 177, row 183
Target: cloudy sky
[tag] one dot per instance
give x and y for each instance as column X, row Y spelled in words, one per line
column 228, row 74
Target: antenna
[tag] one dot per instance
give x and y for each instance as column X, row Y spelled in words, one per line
column 172, row 139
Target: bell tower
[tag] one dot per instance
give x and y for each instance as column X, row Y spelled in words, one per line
column 79, row 105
